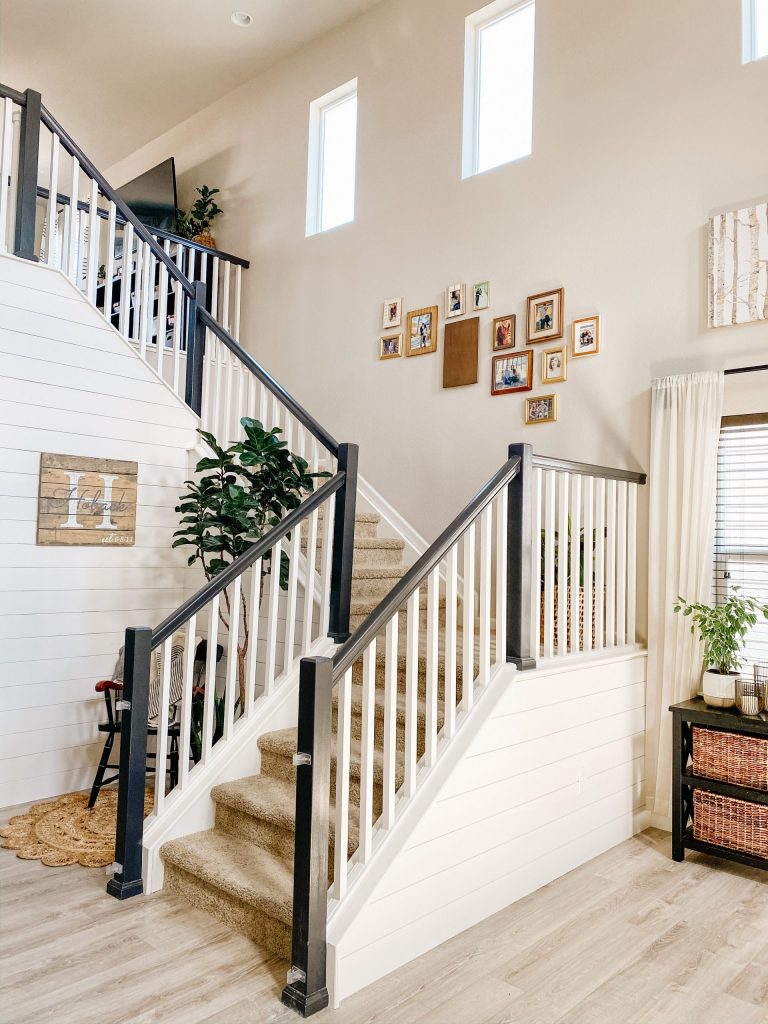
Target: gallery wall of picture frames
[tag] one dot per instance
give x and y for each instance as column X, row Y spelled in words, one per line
column 514, row 363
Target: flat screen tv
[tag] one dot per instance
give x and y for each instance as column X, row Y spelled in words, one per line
column 152, row 196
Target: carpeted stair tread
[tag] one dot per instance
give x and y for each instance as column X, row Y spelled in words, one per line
column 421, row 706
column 378, row 572
column 260, row 796
column 375, row 543
column 282, row 743
column 236, row 867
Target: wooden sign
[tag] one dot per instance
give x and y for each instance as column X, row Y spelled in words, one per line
column 86, row 501
column 460, row 353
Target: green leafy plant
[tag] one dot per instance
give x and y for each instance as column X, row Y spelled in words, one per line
column 241, row 493
column 202, row 214
column 722, row 628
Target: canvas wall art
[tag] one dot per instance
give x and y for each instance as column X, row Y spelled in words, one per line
column 738, row 266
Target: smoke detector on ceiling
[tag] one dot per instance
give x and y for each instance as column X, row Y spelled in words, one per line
column 242, row 19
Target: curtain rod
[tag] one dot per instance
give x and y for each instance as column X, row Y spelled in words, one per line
column 746, row 369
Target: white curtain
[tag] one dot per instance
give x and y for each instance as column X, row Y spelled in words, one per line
column 685, row 427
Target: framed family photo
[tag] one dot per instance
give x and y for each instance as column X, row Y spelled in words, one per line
column 541, row 410
column 454, row 300
column 390, row 346
column 513, row 372
column 504, row 332
column 393, row 312
column 481, row 296
column 553, row 365
column 586, row 336
column 421, row 334
column 545, row 316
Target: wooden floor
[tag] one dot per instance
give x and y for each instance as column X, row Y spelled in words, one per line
column 630, row 938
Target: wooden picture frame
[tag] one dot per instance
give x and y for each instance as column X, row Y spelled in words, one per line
column 585, row 336
column 536, row 412
column 421, row 334
column 511, row 372
column 455, row 300
column 501, row 337
column 389, row 351
column 545, row 316
column 554, row 365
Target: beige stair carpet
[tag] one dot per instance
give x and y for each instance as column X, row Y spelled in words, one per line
column 241, row 871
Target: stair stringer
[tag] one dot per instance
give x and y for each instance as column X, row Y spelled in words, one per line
column 191, row 808
column 453, row 858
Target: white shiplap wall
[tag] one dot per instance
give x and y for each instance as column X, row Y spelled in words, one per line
column 549, row 774
column 69, row 383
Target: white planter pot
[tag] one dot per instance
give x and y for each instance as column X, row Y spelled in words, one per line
column 719, row 691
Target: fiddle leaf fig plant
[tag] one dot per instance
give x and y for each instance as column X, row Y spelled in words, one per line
column 241, row 492
column 203, row 212
column 723, row 627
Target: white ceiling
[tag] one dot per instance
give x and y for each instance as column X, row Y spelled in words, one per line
column 117, row 73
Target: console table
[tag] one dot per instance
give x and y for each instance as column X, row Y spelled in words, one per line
column 684, row 782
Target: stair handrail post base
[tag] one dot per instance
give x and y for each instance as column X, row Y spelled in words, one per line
column 343, row 546
column 193, row 395
column 26, row 192
column 129, row 836
column 310, row 864
column 519, row 568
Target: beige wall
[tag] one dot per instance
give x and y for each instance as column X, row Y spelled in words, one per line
column 645, row 123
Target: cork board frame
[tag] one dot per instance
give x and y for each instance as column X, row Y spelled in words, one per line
column 460, row 352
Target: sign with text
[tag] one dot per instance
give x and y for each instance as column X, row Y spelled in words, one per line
column 86, row 501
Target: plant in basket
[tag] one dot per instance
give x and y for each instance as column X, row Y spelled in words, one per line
column 722, row 628
column 196, row 224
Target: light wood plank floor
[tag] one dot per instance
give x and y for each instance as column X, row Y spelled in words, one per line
column 630, row 938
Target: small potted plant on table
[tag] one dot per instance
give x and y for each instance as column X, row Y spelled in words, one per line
column 722, row 628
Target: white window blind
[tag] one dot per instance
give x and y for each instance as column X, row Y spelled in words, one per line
column 741, row 522
column 755, row 29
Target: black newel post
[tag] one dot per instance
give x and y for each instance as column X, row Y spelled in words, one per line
column 127, row 880
column 306, row 990
column 343, row 545
column 26, row 193
column 193, row 395
column 519, row 561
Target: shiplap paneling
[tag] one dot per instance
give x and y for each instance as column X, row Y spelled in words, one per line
column 551, row 775
column 69, row 384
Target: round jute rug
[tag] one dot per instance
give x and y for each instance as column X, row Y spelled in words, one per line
column 64, row 831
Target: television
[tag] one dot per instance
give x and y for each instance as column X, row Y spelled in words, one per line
column 152, row 196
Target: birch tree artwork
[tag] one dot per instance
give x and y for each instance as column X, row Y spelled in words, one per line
column 738, row 266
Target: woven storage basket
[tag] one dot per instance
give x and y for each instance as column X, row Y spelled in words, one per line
column 742, row 760
column 734, row 824
column 568, row 617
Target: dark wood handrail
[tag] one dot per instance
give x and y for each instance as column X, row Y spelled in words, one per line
column 361, row 638
column 586, row 469
column 17, row 97
column 227, row 576
column 270, row 383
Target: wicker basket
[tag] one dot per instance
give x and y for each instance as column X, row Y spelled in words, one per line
column 734, row 824
column 568, row 617
column 728, row 757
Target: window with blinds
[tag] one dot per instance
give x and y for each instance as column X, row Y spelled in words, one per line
column 741, row 522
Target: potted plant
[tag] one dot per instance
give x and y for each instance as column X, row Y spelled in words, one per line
column 196, row 225
column 722, row 628
column 243, row 491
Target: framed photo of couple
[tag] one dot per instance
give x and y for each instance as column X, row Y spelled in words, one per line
column 545, row 316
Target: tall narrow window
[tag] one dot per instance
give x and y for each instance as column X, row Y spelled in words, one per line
column 332, row 156
column 755, row 29
column 498, row 85
column 741, row 521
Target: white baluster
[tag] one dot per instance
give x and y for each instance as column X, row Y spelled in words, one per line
column 109, row 268
column 92, row 271
column 367, row 745
column 501, row 503
column 599, row 563
column 341, row 837
column 274, row 601
column 574, row 534
column 631, row 562
column 309, row 583
column 621, row 563
column 147, row 300
column 254, row 606
column 610, row 567
column 215, row 288
column 218, row 398
column 289, row 636
column 226, row 428
column 238, row 293
column 549, row 563
column 138, row 291
column 52, row 256
column 537, row 592
column 468, row 624
column 162, row 308
column 125, row 281
column 389, row 781
column 179, row 301
column 209, row 706
column 411, row 691
column 6, row 171
column 589, row 547
column 161, row 740
column 74, row 221
column 325, row 564
column 562, row 564
column 485, row 596
column 187, row 686
column 225, row 302
column 451, row 625
column 433, row 640
column 232, row 676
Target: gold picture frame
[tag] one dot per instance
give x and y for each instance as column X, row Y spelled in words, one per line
column 545, row 316
column 554, row 365
column 421, row 335
column 389, row 351
column 503, row 332
column 585, row 336
column 541, row 409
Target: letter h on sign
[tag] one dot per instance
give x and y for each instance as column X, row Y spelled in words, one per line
column 86, row 501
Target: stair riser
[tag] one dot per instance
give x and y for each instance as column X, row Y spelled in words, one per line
column 357, row 619
column 272, row 935
column 282, row 768
column 356, row 723
column 357, row 678
column 374, row 558
column 374, row 589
